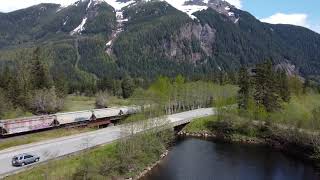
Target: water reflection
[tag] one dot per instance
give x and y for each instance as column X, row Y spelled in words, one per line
column 195, row 159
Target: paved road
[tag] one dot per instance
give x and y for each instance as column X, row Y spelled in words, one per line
column 54, row 148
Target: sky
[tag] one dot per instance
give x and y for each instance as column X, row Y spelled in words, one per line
column 297, row 12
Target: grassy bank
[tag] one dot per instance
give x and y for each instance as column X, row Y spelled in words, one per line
column 123, row 159
column 40, row 136
column 201, row 124
column 230, row 127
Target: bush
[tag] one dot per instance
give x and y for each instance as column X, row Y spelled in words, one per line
column 45, row 101
column 102, row 99
column 135, row 153
column 223, row 127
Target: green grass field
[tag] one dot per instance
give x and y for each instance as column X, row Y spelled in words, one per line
column 78, row 103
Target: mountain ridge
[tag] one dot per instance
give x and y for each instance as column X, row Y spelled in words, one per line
column 150, row 38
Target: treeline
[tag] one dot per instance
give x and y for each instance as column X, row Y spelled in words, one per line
column 265, row 89
column 177, row 94
column 28, row 86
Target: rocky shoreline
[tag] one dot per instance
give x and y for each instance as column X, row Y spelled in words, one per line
column 233, row 139
column 150, row 167
column 300, row 151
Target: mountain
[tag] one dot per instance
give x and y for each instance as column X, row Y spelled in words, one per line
column 92, row 39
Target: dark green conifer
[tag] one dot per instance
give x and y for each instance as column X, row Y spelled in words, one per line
column 266, row 87
column 244, row 91
column 39, row 72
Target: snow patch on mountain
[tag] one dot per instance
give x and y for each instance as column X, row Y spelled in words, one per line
column 116, row 4
column 89, row 4
column 80, row 28
column 65, row 22
column 187, row 8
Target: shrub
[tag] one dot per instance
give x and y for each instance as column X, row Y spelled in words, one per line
column 136, row 152
column 45, row 101
column 102, row 99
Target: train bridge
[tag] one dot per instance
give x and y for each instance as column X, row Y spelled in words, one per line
column 60, row 147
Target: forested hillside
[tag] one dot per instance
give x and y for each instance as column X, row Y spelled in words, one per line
column 156, row 39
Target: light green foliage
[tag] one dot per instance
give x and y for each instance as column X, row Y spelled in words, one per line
column 134, row 154
column 229, row 124
column 201, row 124
column 177, row 95
column 296, row 85
column 299, row 112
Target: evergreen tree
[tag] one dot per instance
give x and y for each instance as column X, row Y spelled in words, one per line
column 116, row 88
column 39, row 72
column 105, row 84
column 284, row 90
column 244, row 91
column 266, row 90
column 14, row 91
column 5, row 78
column 61, row 86
column 127, row 87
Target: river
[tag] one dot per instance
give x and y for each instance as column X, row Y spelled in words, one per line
column 197, row 159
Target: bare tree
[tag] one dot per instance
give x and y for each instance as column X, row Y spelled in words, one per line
column 102, row 99
column 46, row 101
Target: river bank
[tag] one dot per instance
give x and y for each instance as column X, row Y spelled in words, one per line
column 207, row 159
column 294, row 142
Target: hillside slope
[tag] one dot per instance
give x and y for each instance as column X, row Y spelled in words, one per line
column 194, row 38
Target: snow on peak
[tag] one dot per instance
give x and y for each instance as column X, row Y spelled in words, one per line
column 116, row 4
column 188, row 8
column 192, row 6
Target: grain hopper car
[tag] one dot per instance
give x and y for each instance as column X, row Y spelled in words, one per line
column 96, row 117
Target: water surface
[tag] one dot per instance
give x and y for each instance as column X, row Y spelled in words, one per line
column 196, row 159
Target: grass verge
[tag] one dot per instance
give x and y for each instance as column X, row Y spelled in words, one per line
column 78, row 103
column 66, row 168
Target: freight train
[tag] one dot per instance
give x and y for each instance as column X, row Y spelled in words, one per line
column 96, row 117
